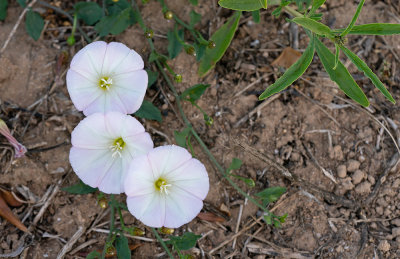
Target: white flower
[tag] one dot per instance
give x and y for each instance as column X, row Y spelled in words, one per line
column 103, row 145
column 166, row 187
column 107, row 77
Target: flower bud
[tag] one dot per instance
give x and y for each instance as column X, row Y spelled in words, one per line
column 191, row 51
column 111, row 251
column 149, row 33
column 138, row 232
column 168, row 15
column 167, row 231
column 211, row 44
column 20, row 149
column 103, row 203
column 209, row 121
column 178, row 78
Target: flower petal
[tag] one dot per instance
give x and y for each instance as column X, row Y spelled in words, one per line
column 115, row 54
column 191, row 177
column 139, row 178
column 111, row 182
column 90, row 165
column 82, row 90
column 139, row 144
column 131, row 88
column 150, row 209
column 91, row 133
column 167, row 158
column 97, row 106
column 89, row 60
column 181, row 208
column 131, row 62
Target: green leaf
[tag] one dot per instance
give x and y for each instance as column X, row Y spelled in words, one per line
column 89, row 12
column 374, row 29
column 115, row 24
column 292, row 73
column 354, row 19
column 315, row 5
column 181, row 137
column 256, row 16
column 200, row 50
column 340, row 75
column 195, row 92
column 93, row 255
column 116, row 7
column 174, row 45
column 34, row 24
column 194, row 2
column 3, row 9
column 243, row 5
column 268, row 219
column 153, row 75
column 314, row 26
column 149, row 111
column 362, row 66
column 185, row 242
column 336, row 55
column 79, row 188
column 222, row 38
column 122, row 246
column 194, row 18
column 235, row 164
column 271, row 194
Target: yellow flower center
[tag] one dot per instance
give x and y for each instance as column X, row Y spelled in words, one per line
column 105, row 83
column 117, row 147
column 162, row 185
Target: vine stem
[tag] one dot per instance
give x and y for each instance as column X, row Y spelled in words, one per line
column 162, row 243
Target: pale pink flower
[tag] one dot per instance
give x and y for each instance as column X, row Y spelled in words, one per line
column 107, row 77
column 20, row 149
column 166, row 187
column 103, row 145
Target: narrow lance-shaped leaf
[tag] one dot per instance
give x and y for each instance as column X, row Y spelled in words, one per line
column 316, row 27
column 362, row 66
column 374, row 29
column 122, row 246
column 34, row 24
column 354, row 19
column 222, row 38
column 293, row 72
column 336, row 56
column 340, row 75
column 243, row 5
column 3, row 9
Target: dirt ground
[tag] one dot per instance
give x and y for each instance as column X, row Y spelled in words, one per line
column 337, row 160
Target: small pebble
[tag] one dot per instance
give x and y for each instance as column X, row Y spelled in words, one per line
column 352, row 166
column 379, row 210
column 213, row 91
column 358, row 176
column 384, row 246
column 361, row 158
column 371, row 179
column 363, row 188
column 164, row 106
column 396, row 183
column 342, row 171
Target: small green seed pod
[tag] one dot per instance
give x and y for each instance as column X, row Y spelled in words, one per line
column 191, row 51
column 211, row 44
column 71, row 40
column 168, row 15
column 149, row 33
column 178, row 78
column 167, row 231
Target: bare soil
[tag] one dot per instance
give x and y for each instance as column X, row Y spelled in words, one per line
column 342, row 196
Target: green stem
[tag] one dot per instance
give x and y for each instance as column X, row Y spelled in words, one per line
column 292, row 11
column 162, row 243
column 200, row 39
column 112, row 227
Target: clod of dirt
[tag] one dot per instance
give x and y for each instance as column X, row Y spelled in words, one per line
column 352, row 165
column 363, row 188
column 384, row 246
column 396, row 222
column 395, row 232
column 337, row 153
column 396, row 183
column 6, row 69
column 358, row 176
column 342, row 171
column 347, row 184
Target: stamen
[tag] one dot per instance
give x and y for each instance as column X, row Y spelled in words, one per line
column 117, row 147
column 105, row 83
column 162, row 185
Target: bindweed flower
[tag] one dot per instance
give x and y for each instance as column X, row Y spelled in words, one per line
column 20, row 149
column 166, row 187
column 103, row 145
column 107, row 77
